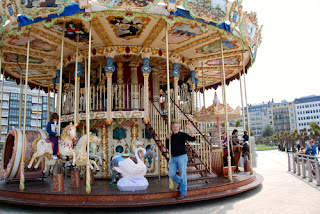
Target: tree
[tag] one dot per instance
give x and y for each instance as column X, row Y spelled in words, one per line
column 238, row 122
column 268, row 131
column 314, row 130
column 303, row 136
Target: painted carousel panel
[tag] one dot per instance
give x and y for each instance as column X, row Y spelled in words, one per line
column 128, row 29
column 12, row 57
column 72, row 29
column 227, row 61
column 182, row 32
column 216, row 47
column 213, row 10
column 35, row 43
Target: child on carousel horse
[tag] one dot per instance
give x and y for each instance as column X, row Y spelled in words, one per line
column 52, row 129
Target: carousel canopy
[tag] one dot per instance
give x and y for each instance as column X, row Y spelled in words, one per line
column 128, row 29
column 215, row 111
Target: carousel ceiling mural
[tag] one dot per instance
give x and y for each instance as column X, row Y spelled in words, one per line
column 128, row 28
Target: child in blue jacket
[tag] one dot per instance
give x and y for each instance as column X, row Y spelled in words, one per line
column 52, row 129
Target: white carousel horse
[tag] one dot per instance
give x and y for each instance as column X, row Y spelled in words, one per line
column 95, row 153
column 82, row 152
column 43, row 149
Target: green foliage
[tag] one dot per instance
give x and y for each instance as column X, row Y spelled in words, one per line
column 238, row 122
column 268, row 131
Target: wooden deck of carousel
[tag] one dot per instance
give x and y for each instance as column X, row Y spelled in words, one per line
column 38, row 192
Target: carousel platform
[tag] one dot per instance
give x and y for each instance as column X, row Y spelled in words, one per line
column 38, row 192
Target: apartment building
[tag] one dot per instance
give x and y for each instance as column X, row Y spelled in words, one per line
column 307, row 111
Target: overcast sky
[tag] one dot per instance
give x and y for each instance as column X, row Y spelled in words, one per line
column 288, row 61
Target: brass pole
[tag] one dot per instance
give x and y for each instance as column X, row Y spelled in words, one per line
column 75, row 113
column 60, row 81
column 88, row 172
column 22, row 186
column 248, row 117
column 226, row 111
column 171, row 184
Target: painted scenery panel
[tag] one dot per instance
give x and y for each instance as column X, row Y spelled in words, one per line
column 227, row 61
column 210, row 8
column 35, row 44
column 181, row 32
column 12, row 57
column 128, row 29
column 72, row 29
column 216, row 46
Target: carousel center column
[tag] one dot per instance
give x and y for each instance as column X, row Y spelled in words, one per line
column 193, row 87
column 104, row 146
column 156, row 88
column 77, row 74
column 176, row 76
column 109, row 69
column 120, row 97
column 146, row 70
column 134, row 87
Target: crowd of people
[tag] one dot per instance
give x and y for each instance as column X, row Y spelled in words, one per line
column 311, row 147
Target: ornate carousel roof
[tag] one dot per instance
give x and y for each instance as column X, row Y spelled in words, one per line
column 128, row 28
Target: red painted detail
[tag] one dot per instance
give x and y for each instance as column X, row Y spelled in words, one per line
column 127, row 49
column 160, row 52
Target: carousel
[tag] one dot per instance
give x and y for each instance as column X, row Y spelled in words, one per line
column 120, row 72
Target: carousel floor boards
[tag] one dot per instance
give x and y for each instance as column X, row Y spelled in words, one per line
column 38, row 193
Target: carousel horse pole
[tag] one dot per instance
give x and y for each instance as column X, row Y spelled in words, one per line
column 88, row 172
column 1, row 89
column 171, row 184
column 248, row 121
column 22, row 186
column 226, row 111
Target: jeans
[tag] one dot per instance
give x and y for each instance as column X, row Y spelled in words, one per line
column 55, row 142
column 179, row 163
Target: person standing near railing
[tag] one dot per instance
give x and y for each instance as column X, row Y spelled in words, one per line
column 179, row 159
column 312, row 149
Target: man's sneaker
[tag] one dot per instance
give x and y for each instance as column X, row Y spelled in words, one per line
column 54, row 157
column 181, row 197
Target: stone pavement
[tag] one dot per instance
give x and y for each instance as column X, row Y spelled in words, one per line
column 280, row 192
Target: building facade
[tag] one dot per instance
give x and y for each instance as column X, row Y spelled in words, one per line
column 36, row 116
column 307, row 111
column 283, row 116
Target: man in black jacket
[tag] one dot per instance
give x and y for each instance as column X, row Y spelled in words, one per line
column 179, row 157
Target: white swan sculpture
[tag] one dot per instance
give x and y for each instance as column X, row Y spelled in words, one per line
column 132, row 174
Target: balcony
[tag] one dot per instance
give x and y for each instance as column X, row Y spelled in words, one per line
column 6, row 97
column 35, row 100
column 4, row 121
column 33, row 123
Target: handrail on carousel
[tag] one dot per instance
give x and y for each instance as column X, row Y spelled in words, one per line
column 190, row 121
column 165, row 119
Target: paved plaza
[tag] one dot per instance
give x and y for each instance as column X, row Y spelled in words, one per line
column 280, row 192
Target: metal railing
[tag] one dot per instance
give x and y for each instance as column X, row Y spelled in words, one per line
column 125, row 97
column 306, row 166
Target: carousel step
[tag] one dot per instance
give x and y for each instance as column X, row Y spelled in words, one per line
column 196, row 171
column 199, row 179
column 193, row 164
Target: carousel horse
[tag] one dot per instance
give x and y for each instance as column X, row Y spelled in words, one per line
column 95, row 154
column 150, row 152
column 43, row 148
column 82, row 152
